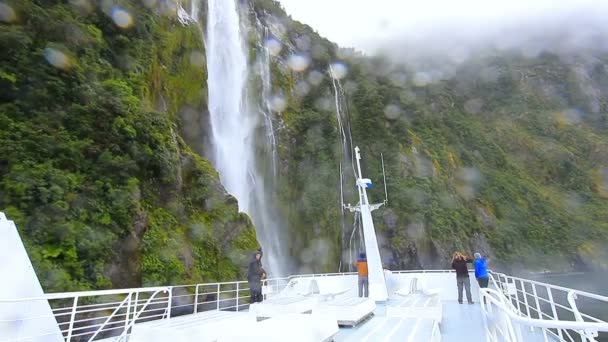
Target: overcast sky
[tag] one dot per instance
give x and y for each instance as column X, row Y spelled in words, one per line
column 366, row 24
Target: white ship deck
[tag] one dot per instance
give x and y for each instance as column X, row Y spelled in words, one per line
column 223, row 314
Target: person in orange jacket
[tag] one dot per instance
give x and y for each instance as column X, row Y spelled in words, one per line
column 361, row 265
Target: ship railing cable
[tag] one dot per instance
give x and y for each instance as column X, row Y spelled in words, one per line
column 535, row 300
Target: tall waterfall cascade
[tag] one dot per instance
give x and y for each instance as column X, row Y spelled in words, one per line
column 235, row 129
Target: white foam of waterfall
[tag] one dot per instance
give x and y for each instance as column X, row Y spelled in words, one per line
column 234, row 126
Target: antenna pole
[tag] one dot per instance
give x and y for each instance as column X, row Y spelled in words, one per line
column 341, row 191
column 384, row 176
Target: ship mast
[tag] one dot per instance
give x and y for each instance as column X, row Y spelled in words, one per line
column 377, row 282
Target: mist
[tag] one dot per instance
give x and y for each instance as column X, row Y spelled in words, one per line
column 454, row 31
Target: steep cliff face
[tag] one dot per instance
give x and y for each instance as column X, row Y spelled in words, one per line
column 499, row 154
column 103, row 115
column 94, row 168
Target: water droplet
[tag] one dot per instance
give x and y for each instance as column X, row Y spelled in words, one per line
column 473, row 106
column 57, row 58
column 315, row 77
column 302, row 88
column 319, row 52
column 82, row 6
column 303, row 43
column 323, row 104
column 602, row 181
column 197, row 59
column 273, row 45
column 121, row 17
column 398, row 78
column 571, row 116
column 467, row 182
column 277, row 103
column 298, row 62
column 392, row 111
column 350, row 87
column 150, row 3
column 338, row 70
column 7, row 14
column 422, row 78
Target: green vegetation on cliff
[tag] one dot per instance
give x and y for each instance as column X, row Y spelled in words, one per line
column 503, row 153
column 93, row 169
column 102, row 134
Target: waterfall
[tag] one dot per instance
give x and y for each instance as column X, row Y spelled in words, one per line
column 346, row 144
column 263, row 64
column 233, row 130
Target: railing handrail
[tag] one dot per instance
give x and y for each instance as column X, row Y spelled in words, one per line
column 229, row 293
column 68, row 295
column 541, row 323
column 556, row 287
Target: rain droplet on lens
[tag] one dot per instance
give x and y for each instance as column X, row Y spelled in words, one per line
column 57, row 58
column 121, row 17
column 298, row 62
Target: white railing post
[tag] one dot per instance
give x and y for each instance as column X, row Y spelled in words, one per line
column 539, row 310
column 516, row 295
column 577, row 315
column 72, row 318
column 196, row 299
column 523, row 288
column 136, row 303
column 128, row 310
column 237, row 297
column 550, row 294
column 170, row 302
column 217, row 296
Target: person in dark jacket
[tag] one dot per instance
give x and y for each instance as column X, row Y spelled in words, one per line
column 361, row 265
column 255, row 275
column 459, row 263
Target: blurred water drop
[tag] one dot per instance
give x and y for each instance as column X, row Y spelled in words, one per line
column 57, row 58
column 302, row 88
column 278, row 103
column 531, row 50
column 197, row 59
column 303, row 43
column 467, row 183
column 473, row 106
column 571, row 116
column 339, row 70
column 573, row 201
column 459, row 54
column 346, row 53
column 350, row 87
column 7, row 14
column 319, row 51
column 398, row 78
column 392, row 112
column 595, row 106
column 150, row 3
column 273, row 45
column 323, row 104
column 315, row 77
column 121, row 17
column 422, row 78
column 298, row 62
column 82, row 6
column 602, row 181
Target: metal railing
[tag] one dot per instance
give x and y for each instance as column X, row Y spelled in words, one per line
column 87, row 315
column 513, row 305
column 516, row 303
column 96, row 315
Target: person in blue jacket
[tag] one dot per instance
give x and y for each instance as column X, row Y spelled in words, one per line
column 481, row 271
